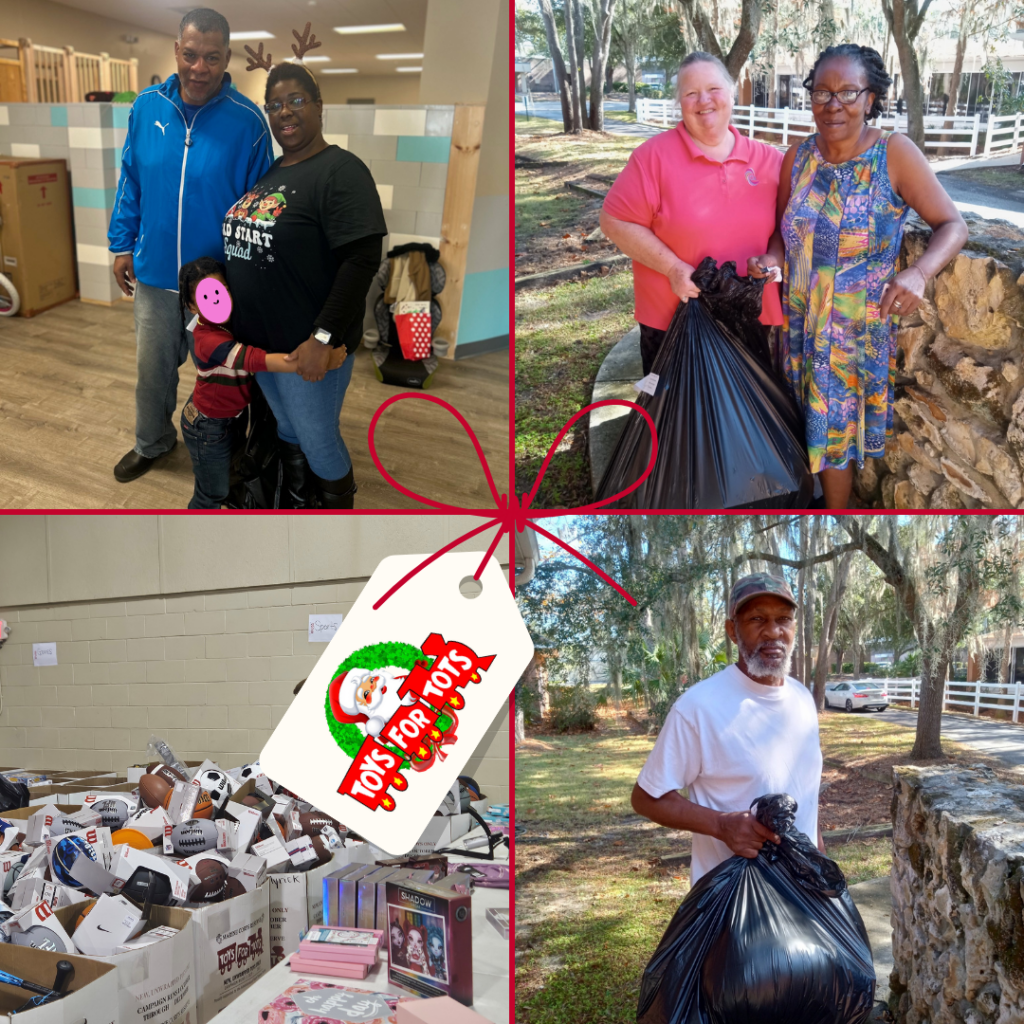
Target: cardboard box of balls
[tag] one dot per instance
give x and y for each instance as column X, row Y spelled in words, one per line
column 156, row 977
column 91, row 992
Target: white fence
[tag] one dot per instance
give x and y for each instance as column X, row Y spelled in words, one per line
column 957, row 696
column 956, row 136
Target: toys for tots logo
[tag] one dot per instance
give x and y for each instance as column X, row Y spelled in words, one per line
column 390, row 706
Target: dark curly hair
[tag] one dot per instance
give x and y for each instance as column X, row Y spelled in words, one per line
column 870, row 60
column 289, row 72
column 190, row 275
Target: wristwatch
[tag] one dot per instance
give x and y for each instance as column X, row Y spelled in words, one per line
column 324, row 337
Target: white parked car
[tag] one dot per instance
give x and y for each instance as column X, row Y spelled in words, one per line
column 854, row 696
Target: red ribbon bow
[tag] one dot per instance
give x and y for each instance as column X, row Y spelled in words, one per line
column 511, row 512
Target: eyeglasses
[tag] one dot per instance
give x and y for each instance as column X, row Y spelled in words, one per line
column 846, row 96
column 294, row 102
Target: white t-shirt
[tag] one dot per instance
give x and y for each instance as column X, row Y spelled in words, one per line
column 729, row 740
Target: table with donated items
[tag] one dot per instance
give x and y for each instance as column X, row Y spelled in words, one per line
column 490, row 963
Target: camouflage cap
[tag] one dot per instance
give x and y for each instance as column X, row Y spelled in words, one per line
column 755, row 585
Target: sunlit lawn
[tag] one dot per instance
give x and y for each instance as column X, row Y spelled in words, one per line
column 563, row 332
column 596, row 885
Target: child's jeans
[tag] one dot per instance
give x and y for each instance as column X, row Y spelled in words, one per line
column 211, row 442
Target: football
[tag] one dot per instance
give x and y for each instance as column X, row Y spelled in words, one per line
column 194, row 836
column 167, row 773
column 323, row 852
column 204, row 806
column 313, row 822
column 65, row 853
column 62, row 825
column 133, row 837
column 212, row 882
column 113, row 813
column 148, row 885
column 218, row 785
column 233, row 887
column 153, row 789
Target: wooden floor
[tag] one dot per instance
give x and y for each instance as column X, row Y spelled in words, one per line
column 67, row 416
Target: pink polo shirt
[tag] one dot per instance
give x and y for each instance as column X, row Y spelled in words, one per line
column 698, row 207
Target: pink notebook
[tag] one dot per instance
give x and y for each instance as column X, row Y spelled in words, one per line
column 351, row 945
column 333, row 968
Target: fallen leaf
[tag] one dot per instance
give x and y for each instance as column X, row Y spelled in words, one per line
column 567, row 236
column 544, row 223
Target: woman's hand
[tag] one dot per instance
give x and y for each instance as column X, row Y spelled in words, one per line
column 904, row 293
column 312, row 359
column 761, row 266
column 682, row 286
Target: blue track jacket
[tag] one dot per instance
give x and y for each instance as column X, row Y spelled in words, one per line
column 177, row 183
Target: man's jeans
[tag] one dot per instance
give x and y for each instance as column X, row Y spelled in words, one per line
column 211, row 443
column 162, row 346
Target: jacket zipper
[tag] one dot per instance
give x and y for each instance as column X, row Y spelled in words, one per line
column 184, row 160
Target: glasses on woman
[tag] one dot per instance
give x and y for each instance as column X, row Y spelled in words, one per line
column 820, row 97
column 294, row 102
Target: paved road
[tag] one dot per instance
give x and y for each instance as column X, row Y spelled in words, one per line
column 552, row 111
column 1002, row 740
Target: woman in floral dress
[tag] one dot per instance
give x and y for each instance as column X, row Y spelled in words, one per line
column 844, row 196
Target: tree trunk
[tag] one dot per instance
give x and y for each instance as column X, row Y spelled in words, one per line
column 958, row 68
column 801, row 619
column 581, row 54
column 809, row 607
column 826, row 24
column 603, row 10
column 905, row 22
column 829, row 617
column 557, row 62
column 629, row 49
column 1004, row 668
column 520, row 726
column 707, row 36
column 574, row 85
column 928, row 741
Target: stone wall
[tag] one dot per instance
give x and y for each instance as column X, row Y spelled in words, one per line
column 959, row 409
column 958, row 895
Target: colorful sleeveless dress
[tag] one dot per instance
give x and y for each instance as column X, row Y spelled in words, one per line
column 842, row 228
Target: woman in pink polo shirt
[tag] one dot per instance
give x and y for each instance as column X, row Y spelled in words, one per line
column 699, row 190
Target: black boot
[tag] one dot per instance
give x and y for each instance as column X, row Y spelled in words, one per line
column 298, row 476
column 336, row 493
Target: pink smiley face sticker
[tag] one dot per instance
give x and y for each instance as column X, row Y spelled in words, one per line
column 213, row 300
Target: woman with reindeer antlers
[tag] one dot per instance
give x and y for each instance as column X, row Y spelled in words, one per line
column 301, row 248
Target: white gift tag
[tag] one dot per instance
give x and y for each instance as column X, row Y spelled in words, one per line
column 648, row 385
column 401, row 698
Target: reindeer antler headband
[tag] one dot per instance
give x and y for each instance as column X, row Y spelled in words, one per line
column 306, row 42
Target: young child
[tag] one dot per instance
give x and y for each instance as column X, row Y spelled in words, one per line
column 213, row 421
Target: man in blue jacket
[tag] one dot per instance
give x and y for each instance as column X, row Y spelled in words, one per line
column 194, row 146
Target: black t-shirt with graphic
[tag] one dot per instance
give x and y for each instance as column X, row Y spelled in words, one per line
column 281, row 241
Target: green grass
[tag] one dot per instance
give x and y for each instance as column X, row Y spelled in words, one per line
column 563, row 332
column 562, row 336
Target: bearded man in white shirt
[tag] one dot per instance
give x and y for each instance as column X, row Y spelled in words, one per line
column 744, row 732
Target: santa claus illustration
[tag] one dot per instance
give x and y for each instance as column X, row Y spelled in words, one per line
column 368, row 697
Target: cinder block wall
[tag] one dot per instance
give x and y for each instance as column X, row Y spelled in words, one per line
column 406, row 149
column 210, row 670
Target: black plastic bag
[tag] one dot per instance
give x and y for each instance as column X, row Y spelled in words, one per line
column 256, row 471
column 730, row 434
column 12, row 794
column 774, row 940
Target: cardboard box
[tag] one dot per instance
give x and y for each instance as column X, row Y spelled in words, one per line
column 155, row 983
column 92, row 992
column 37, row 240
column 232, row 949
column 297, row 902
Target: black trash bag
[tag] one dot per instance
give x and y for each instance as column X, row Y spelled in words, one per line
column 730, row 434
column 12, row 795
column 771, row 940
